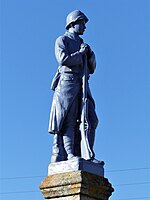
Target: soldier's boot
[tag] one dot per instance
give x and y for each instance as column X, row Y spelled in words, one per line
column 58, row 151
column 68, row 141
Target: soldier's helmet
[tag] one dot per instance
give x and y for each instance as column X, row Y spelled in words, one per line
column 75, row 16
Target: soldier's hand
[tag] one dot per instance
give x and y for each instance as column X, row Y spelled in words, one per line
column 84, row 48
column 86, row 126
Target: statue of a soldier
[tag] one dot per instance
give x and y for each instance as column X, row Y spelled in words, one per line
column 65, row 115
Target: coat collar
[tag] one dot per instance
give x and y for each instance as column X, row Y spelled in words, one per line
column 72, row 35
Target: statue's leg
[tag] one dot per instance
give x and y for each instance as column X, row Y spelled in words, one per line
column 69, row 129
column 93, row 122
column 77, row 142
column 58, row 152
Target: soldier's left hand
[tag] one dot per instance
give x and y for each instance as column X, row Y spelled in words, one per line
column 86, row 126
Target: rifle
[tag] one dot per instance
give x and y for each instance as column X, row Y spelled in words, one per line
column 86, row 151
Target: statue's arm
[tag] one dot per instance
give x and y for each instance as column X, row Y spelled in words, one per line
column 62, row 55
column 91, row 62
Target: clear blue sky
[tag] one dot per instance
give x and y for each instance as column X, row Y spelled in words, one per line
column 117, row 31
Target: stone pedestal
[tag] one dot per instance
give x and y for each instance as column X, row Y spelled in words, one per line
column 76, row 185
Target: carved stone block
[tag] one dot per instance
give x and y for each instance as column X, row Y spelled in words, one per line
column 76, row 185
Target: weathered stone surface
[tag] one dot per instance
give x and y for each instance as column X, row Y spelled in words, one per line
column 76, row 185
column 76, row 164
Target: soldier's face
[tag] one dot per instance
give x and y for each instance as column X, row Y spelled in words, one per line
column 79, row 27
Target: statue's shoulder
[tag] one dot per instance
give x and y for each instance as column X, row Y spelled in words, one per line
column 62, row 39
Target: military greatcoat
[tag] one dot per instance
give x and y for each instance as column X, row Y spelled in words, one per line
column 67, row 83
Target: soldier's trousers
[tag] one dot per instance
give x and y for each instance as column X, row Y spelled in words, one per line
column 67, row 143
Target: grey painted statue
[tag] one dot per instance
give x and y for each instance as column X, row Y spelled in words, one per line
column 73, row 119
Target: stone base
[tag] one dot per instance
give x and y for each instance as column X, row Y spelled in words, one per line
column 76, row 185
column 76, row 164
